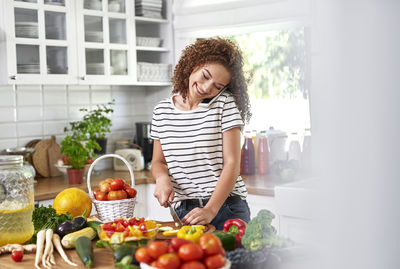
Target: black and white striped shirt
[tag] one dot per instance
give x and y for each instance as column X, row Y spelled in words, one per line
column 192, row 144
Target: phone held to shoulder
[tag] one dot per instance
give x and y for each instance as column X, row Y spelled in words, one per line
column 208, row 101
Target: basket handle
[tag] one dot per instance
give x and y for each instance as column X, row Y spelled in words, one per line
column 104, row 157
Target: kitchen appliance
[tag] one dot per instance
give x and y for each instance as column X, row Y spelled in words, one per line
column 277, row 144
column 143, row 140
column 134, row 158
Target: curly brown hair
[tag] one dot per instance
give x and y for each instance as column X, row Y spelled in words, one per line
column 214, row 50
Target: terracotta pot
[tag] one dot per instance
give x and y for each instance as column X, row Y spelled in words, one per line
column 75, row 176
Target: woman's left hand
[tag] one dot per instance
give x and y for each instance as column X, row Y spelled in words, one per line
column 198, row 216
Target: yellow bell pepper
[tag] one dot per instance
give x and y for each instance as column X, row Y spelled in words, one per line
column 192, row 233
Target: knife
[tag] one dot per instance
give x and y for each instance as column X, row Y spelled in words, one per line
column 174, row 215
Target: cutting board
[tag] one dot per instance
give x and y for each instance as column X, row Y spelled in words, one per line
column 209, row 229
column 41, row 157
column 103, row 258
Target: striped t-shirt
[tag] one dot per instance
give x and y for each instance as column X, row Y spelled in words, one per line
column 192, row 145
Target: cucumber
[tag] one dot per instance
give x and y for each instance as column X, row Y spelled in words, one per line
column 85, row 250
column 93, row 224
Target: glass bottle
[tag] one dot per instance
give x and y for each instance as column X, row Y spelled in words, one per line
column 263, row 154
column 247, row 163
column 16, row 200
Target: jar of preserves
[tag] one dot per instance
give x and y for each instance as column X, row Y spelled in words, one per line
column 16, row 200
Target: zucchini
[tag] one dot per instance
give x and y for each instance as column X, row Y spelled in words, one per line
column 123, row 251
column 69, row 240
column 93, row 225
column 85, row 250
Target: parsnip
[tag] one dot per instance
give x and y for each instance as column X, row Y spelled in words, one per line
column 52, row 260
column 40, row 237
column 57, row 244
column 45, row 257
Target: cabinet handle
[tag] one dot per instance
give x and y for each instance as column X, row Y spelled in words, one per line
column 83, row 78
column 14, row 77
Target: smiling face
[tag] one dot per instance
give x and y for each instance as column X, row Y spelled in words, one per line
column 206, row 81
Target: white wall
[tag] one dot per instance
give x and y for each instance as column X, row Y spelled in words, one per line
column 30, row 112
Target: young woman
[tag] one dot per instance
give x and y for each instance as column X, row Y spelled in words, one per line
column 196, row 156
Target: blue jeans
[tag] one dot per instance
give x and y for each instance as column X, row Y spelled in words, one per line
column 233, row 208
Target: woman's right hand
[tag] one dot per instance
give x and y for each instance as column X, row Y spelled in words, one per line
column 164, row 191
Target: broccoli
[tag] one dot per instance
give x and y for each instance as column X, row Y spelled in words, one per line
column 260, row 233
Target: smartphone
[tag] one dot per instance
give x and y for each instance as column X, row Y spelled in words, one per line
column 208, row 101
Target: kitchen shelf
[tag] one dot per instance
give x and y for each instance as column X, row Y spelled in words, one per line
column 156, row 49
column 147, row 83
column 139, row 19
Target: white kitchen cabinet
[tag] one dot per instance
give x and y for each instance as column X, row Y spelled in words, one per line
column 80, row 42
column 154, row 210
column 37, row 43
column 258, row 202
column 141, row 201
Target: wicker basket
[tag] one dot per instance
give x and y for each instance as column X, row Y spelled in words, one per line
column 111, row 210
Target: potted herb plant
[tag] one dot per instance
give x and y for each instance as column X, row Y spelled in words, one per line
column 95, row 125
column 77, row 151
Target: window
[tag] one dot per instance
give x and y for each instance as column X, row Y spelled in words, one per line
column 277, row 62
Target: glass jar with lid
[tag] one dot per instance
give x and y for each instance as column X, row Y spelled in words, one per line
column 16, row 200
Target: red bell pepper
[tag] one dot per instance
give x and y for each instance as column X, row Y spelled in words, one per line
column 236, row 227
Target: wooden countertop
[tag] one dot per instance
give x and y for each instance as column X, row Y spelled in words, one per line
column 103, row 259
column 48, row 188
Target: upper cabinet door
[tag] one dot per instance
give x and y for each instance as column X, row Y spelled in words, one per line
column 39, row 45
column 105, row 41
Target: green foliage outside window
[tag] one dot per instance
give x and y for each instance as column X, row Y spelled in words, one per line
column 276, row 61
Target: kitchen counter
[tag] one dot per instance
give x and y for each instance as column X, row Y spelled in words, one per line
column 48, row 188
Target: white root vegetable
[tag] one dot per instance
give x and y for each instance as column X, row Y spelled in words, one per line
column 40, row 237
column 52, row 260
column 57, row 244
column 45, row 257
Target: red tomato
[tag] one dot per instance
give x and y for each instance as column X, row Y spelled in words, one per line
column 108, row 226
column 190, row 252
column 143, row 227
column 17, row 255
column 154, row 264
column 214, row 261
column 133, row 221
column 90, row 161
column 142, row 255
column 168, row 261
column 120, row 228
column 117, row 195
column 131, row 192
column 222, row 251
column 117, row 184
column 109, row 233
column 126, row 232
column 101, row 196
column 104, row 186
column 210, row 244
column 176, row 242
column 157, row 248
column 125, row 223
column 193, row 265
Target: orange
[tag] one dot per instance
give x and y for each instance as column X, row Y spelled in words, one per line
column 74, row 201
